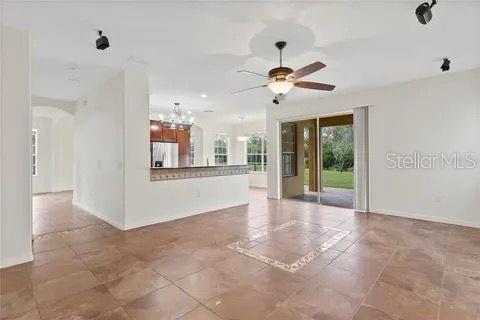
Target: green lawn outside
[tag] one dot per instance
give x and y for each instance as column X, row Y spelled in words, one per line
column 335, row 179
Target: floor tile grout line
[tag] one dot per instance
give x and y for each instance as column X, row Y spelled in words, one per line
column 106, row 289
column 49, row 250
column 108, row 292
column 68, row 296
column 205, row 306
column 439, row 309
column 33, row 294
column 128, row 313
column 202, row 304
column 375, row 282
column 325, row 266
column 173, row 283
column 93, row 274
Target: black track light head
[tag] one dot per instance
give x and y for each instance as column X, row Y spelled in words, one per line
column 424, row 12
column 102, row 42
column 445, row 65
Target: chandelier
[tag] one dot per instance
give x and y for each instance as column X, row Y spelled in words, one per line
column 177, row 120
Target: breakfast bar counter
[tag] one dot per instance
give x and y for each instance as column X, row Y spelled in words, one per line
column 174, row 193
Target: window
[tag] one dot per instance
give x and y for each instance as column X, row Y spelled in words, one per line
column 257, row 153
column 192, row 152
column 34, row 152
column 289, row 149
column 221, row 150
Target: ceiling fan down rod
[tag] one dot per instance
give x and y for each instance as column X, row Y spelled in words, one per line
column 280, row 45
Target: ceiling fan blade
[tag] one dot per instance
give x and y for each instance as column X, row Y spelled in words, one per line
column 254, row 73
column 262, row 86
column 314, row 85
column 305, row 71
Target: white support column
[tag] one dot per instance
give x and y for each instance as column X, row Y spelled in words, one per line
column 318, row 142
column 361, row 160
column 16, row 149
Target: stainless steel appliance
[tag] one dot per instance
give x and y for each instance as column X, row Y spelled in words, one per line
column 164, row 154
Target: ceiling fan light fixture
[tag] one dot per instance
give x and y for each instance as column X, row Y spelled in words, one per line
column 280, row 86
column 282, row 79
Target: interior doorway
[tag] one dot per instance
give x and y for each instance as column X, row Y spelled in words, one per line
column 53, row 211
column 318, row 160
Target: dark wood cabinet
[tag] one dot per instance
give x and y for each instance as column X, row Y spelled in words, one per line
column 155, row 131
column 158, row 133
column 169, row 135
column 183, row 140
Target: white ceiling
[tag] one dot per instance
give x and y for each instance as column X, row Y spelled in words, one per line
column 192, row 48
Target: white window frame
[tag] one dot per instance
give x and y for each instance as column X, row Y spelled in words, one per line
column 263, row 154
column 227, row 143
column 35, row 153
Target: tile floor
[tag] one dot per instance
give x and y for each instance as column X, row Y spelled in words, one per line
column 384, row 268
column 337, row 197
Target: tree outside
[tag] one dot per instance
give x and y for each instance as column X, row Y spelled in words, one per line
column 337, row 145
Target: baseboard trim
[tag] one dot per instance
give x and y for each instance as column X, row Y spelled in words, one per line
column 13, row 261
column 180, row 216
column 114, row 223
column 426, row 218
column 51, row 191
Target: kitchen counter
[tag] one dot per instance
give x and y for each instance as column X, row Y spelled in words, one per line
column 174, row 193
column 161, row 174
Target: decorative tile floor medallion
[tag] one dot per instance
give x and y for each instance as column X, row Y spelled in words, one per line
column 302, row 261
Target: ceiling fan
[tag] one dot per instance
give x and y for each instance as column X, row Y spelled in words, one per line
column 282, row 79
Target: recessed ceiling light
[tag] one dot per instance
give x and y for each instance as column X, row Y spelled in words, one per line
column 208, row 110
column 72, row 66
column 203, row 95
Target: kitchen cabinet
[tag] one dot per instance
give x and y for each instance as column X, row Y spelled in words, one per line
column 183, row 140
column 158, row 133
column 155, row 131
column 169, row 135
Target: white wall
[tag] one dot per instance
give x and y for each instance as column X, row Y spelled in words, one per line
column 112, row 162
column 15, row 159
column 256, row 179
column 99, row 152
column 148, row 202
column 62, row 136
column 55, row 150
column 42, row 182
column 435, row 115
column 196, row 134
column 236, row 149
column 210, row 129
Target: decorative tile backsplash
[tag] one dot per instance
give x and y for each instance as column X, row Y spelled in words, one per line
column 162, row 174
